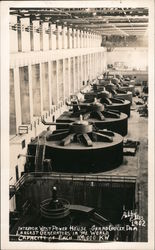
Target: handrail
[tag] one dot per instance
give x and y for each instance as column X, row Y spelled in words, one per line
column 75, row 177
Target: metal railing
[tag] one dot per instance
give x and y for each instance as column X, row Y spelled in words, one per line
column 75, row 177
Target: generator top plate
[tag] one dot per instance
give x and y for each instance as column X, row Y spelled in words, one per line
column 67, row 115
column 126, row 102
column 117, row 139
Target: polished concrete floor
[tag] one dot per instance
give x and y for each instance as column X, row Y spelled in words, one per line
column 137, row 166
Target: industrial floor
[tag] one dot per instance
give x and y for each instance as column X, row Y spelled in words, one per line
column 137, row 166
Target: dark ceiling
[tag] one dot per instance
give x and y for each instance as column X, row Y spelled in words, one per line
column 105, row 21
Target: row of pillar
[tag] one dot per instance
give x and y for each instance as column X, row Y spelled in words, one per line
column 29, row 35
column 34, row 89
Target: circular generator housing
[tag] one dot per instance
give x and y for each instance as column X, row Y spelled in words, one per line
column 130, row 88
column 118, row 125
column 127, row 96
column 76, row 158
column 122, row 107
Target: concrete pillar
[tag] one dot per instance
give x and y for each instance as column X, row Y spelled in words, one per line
column 13, row 34
column 76, row 81
column 84, row 39
column 57, row 81
column 66, row 77
column 17, row 97
column 50, row 84
column 72, row 75
column 24, row 95
column 69, row 76
column 25, row 34
column 59, row 37
column 31, row 35
column 36, row 90
column 30, row 92
column 69, row 38
column 63, row 78
column 94, row 69
column 81, row 39
column 100, row 64
column 54, row 81
column 52, row 37
column 89, row 76
column 45, row 86
column 99, row 58
column 88, row 66
column 84, row 69
column 92, row 65
column 36, row 35
column 80, row 72
column 41, row 88
column 98, row 40
column 12, row 105
column 77, row 39
column 92, row 45
column 44, row 36
column 60, row 80
column 93, row 40
column 96, row 63
column 64, row 38
column 73, row 38
column 87, row 40
column 41, row 36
